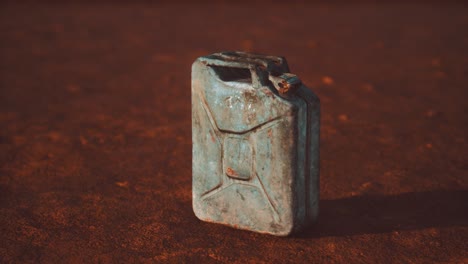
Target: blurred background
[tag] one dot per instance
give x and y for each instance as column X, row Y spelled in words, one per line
column 95, row 129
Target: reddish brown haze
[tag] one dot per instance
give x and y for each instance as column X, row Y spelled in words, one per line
column 95, row 131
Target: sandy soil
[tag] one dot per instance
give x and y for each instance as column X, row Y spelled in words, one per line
column 95, row 138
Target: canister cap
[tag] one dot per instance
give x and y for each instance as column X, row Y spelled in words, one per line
column 286, row 83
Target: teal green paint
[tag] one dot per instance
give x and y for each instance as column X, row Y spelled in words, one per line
column 255, row 133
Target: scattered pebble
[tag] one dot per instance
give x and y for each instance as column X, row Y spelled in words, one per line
column 327, row 80
column 123, row 184
column 343, row 117
column 366, row 185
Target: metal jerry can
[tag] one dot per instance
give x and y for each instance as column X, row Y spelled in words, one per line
column 255, row 133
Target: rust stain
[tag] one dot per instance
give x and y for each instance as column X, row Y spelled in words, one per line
column 231, row 172
column 284, row 87
column 270, row 133
column 269, row 94
column 250, row 97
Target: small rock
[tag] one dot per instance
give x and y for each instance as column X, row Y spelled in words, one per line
column 123, row 184
column 327, row 80
column 366, row 185
column 343, row 117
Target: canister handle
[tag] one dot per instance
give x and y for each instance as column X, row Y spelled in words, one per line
column 263, row 69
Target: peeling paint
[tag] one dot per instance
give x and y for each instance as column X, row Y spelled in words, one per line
column 262, row 172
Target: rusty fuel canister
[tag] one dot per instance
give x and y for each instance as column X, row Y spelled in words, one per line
column 255, row 133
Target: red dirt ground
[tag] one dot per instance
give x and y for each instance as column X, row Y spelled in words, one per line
column 95, row 138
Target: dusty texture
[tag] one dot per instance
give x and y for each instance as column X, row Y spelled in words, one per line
column 254, row 153
column 95, row 142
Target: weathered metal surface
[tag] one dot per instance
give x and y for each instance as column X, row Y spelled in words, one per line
column 255, row 133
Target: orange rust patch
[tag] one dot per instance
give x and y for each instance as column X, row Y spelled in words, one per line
column 268, row 93
column 231, row 172
column 284, row 87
